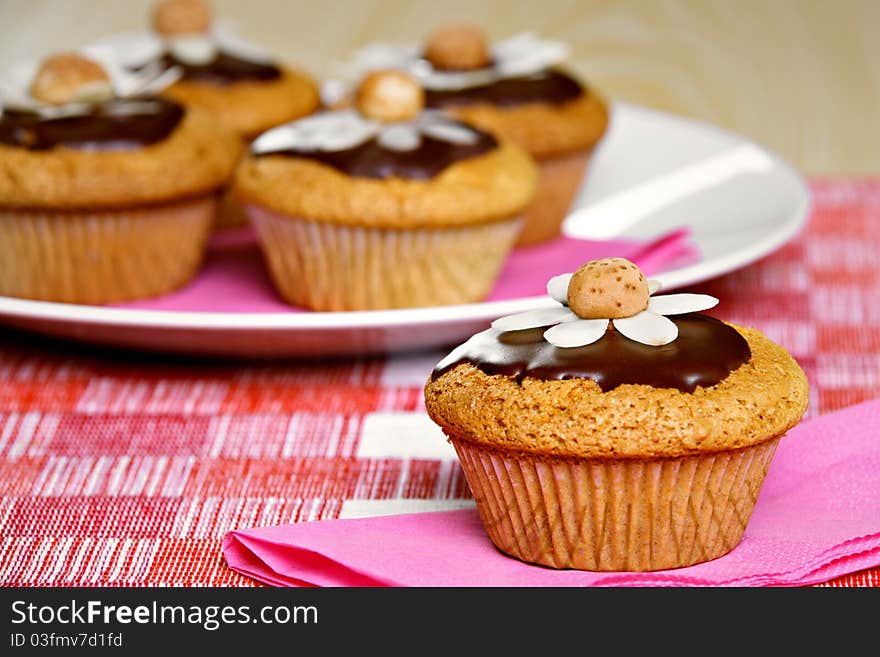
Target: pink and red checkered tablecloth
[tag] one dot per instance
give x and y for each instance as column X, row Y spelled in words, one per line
column 126, row 470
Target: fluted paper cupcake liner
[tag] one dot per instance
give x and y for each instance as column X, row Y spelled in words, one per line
column 559, row 179
column 329, row 267
column 615, row 515
column 94, row 257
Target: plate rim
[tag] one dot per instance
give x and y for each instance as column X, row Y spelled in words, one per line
column 58, row 312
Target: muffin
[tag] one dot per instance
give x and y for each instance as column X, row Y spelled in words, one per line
column 515, row 88
column 236, row 82
column 384, row 205
column 602, row 435
column 107, row 191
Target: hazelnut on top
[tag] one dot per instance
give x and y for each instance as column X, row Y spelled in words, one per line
column 610, row 288
column 605, row 294
column 390, row 96
column 457, row 46
column 174, row 18
column 68, row 77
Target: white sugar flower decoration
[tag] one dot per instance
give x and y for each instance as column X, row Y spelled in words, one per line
column 188, row 30
column 344, row 129
column 200, row 49
column 603, row 293
column 388, row 108
column 454, row 57
column 67, row 84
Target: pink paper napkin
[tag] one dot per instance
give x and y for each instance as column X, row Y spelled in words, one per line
column 234, row 278
column 817, row 517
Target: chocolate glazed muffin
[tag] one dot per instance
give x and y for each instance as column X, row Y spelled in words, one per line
column 602, row 435
column 385, row 205
column 516, row 88
column 103, row 196
column 239, row 84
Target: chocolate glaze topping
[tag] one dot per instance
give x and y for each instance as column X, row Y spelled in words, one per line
column 552, row 86
column 705, row 353
column 223, row 69
column 120, row 124
column 372, row 160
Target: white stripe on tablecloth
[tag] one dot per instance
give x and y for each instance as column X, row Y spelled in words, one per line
column 844, row 305
column 402, row 435
column 367, row 508
column 7, row 428
column 26, row 428
column 842, row 371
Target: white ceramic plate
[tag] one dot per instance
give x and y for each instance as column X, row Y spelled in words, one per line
column 653, row 172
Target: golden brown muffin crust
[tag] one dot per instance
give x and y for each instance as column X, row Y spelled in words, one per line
column 198, row 157
column 251, row 107
column 544, row 129
column 493, row 186
column 761, row 399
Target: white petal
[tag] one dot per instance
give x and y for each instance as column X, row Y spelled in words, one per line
column 647, row 328
column 61, row 111
column 343, row 140
column 151, row 78
column 654, row 286
column 514, row 44
column 401, row 137
column 193, row 50
column 329, row 131
column 534, row 319
column 226, row 36
column 334, row 91
column 93, row 92
column 454, row 133
column 677, row 304
column 330, row 123
column 526, row 54
column 128, row 48
column 557, row 288
column 453, row 80
column 440, row 125
column 343, row 132
column 577, row 333
column 277, row 139
column 153, row 85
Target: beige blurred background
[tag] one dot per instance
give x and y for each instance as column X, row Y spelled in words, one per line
column 801, row 77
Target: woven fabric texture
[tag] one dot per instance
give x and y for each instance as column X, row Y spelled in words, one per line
column 126, row 470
